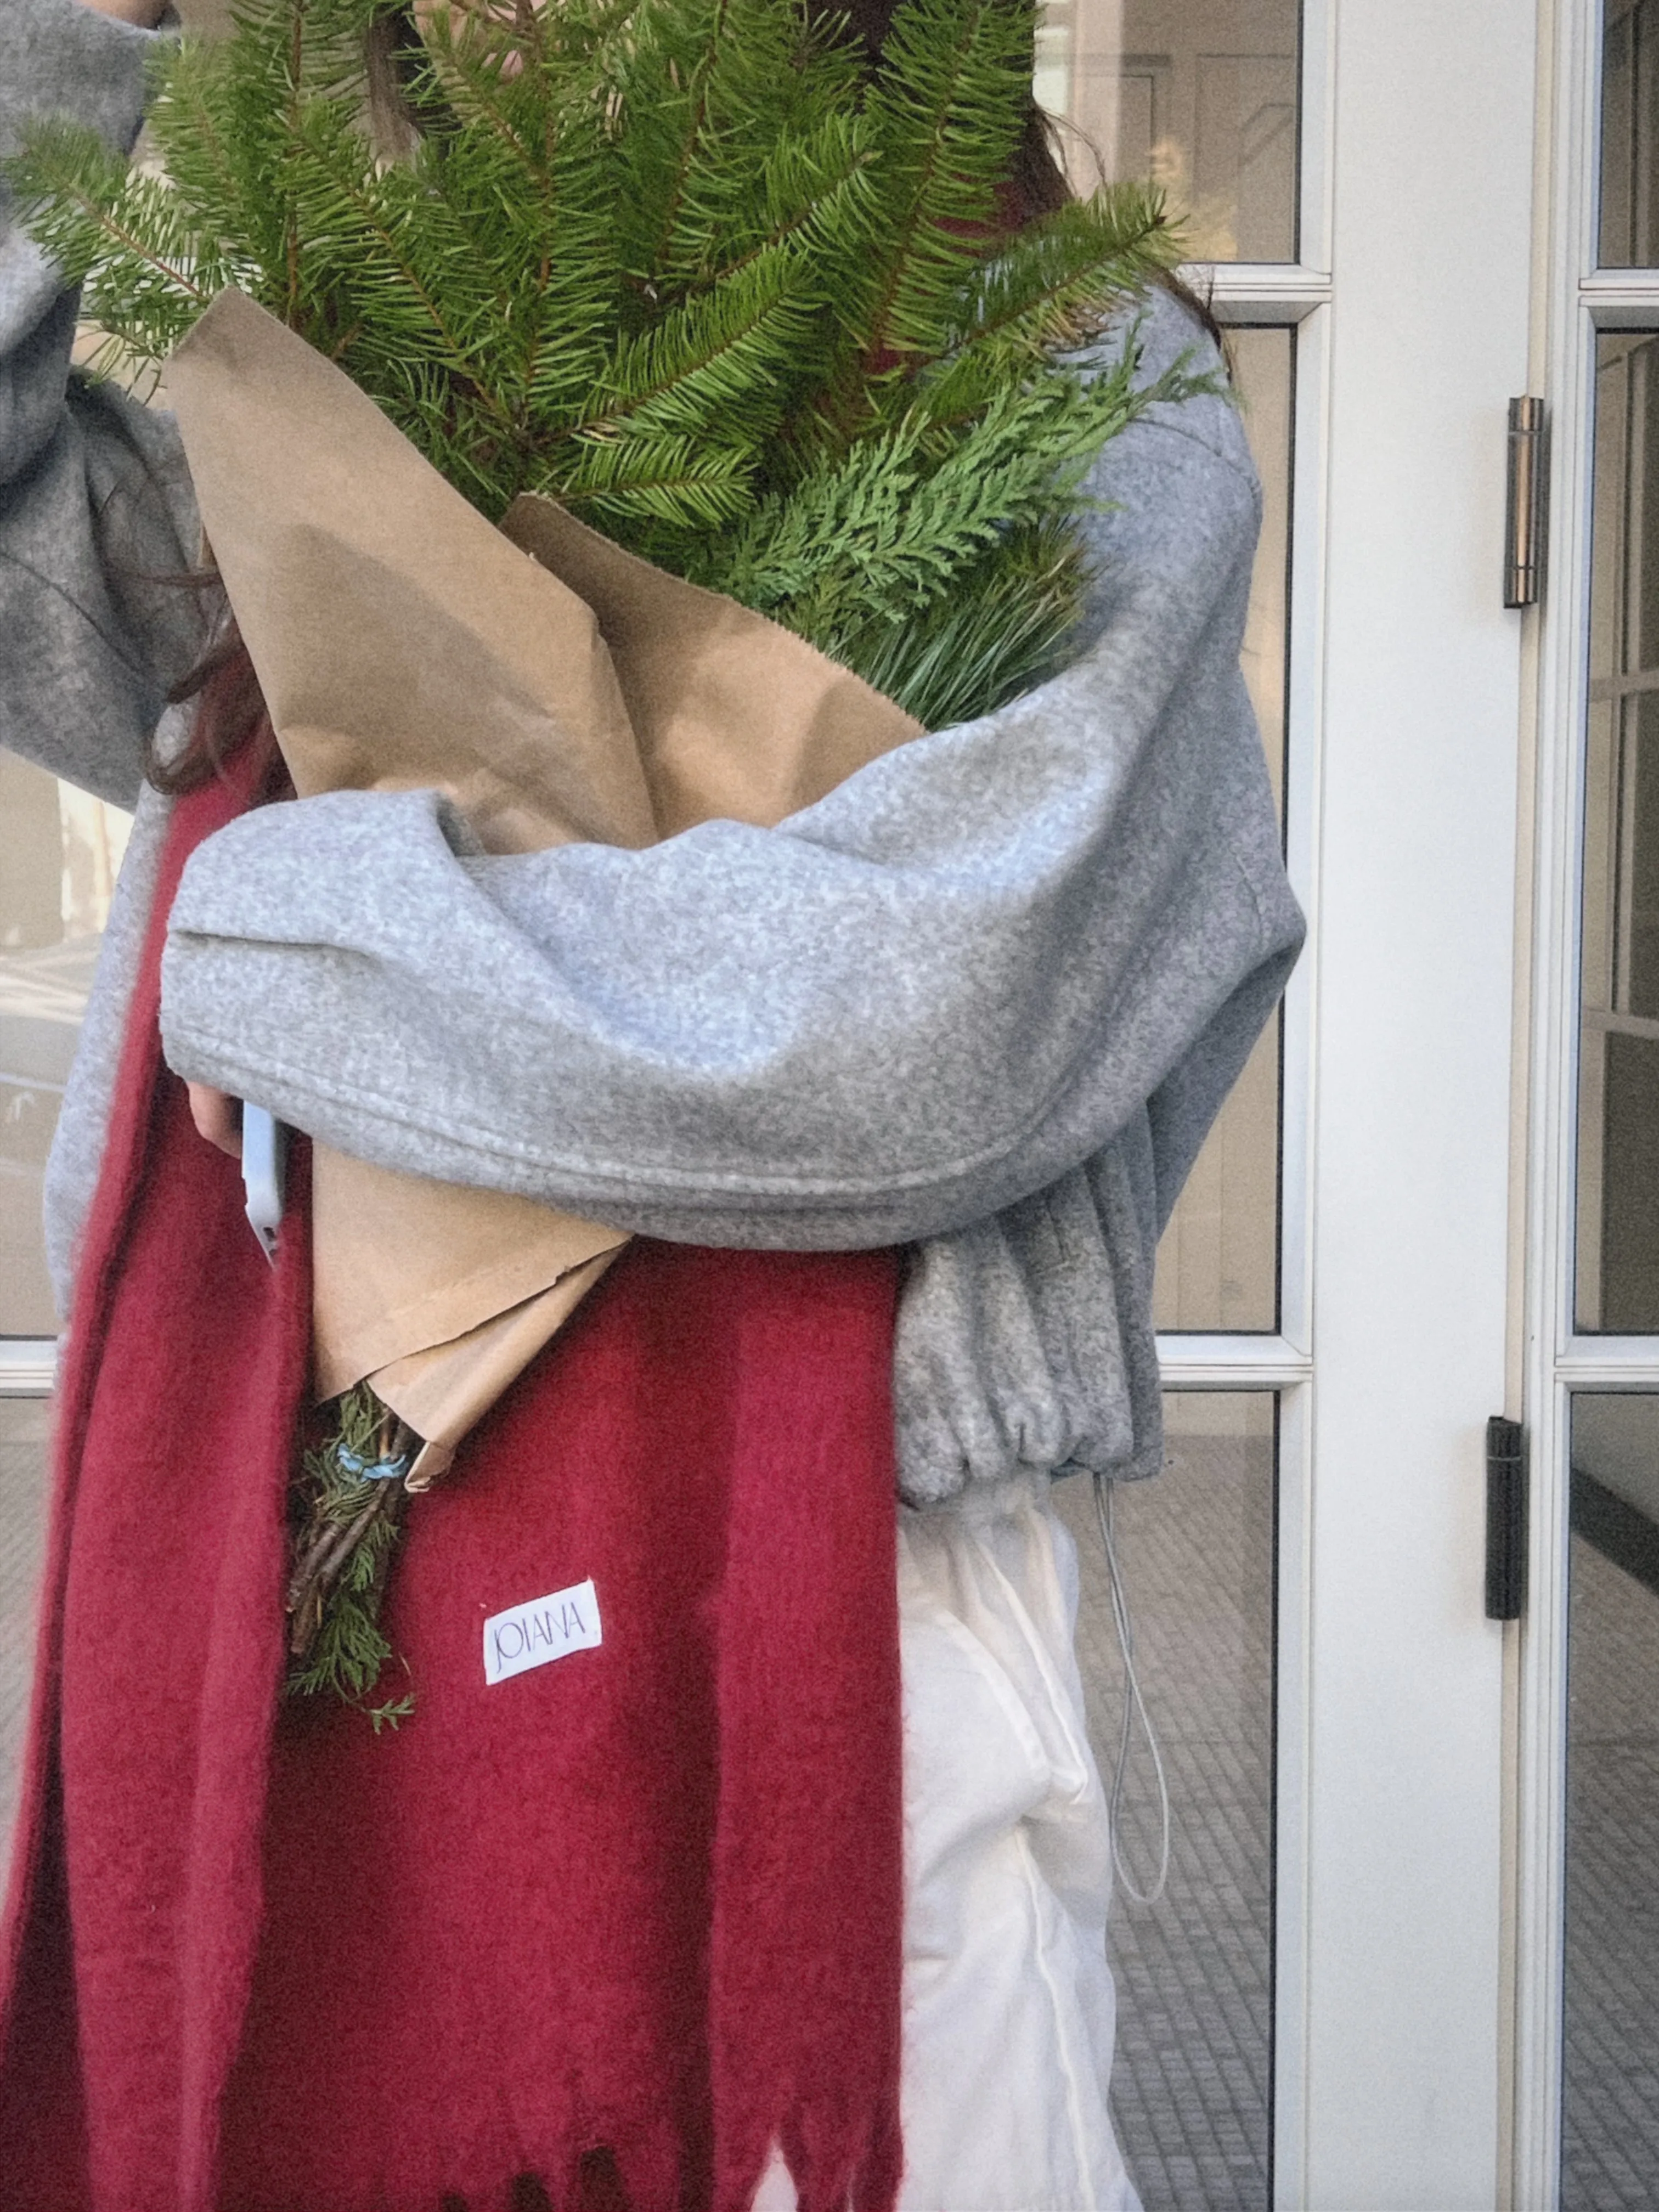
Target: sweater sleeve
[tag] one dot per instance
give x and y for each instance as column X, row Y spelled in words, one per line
column 934, row 992
column 96, row 512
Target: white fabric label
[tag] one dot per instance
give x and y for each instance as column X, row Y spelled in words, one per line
column 541, row 1629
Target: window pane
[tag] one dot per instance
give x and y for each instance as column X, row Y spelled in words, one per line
column 1218, row 1265
column 1192, row 2088
column 1630, row 134
column 1610, row 2118
column 1199, row 95
column 1618, row 1243
column 23, row 1427
column 59, row 852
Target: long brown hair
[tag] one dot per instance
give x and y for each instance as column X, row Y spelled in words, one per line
column 232, row 711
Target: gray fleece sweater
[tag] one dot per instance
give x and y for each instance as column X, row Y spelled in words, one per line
column 984, row 1001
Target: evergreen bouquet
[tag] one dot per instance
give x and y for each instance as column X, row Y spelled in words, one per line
column 680, row 265
column 693, row 271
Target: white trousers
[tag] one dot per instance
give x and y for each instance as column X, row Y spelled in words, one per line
column 1009, row 2009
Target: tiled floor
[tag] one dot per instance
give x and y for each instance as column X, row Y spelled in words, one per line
column 1610, row 2145
column 1193, row 2084
column 1191, row 2088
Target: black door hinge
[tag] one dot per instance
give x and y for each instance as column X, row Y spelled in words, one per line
column 1506, row 1520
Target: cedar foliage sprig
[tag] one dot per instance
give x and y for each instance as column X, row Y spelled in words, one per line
column 683, row 265
column 344, row 1527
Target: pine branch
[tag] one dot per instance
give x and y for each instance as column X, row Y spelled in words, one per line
column 123, row 235
column 1049, row 291
column 736, row 347
column 676, row 50
column 391, row 251
column 772, row 87
column 812, row 189
column 1002, row 628
column 675, row 262
column 188, row 122
column 528, row 187
column 947, row 115
column 619, row 485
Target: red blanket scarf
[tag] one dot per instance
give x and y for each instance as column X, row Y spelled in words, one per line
column 599, row 1934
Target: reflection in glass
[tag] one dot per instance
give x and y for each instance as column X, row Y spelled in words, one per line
column 1192, row 2089
column 1618, row 1242
column 1610, row 2116
column 1218, row 1265
column 1198, row 95
column 59, row 852
column 25, row 1425
column 1630, row 134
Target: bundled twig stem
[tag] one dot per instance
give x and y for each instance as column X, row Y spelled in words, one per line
column 346, row 1510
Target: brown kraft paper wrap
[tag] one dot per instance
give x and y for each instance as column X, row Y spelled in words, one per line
column 402, row 642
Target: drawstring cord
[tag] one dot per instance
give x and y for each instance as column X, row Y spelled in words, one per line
column 1135, row 1707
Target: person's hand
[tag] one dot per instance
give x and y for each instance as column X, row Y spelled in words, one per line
column 217, row 1116
column 456, row 13
column 457, row 17
column 146, row 14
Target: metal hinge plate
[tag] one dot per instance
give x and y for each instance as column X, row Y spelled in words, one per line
column 1506, row 1520
column 1528, row 505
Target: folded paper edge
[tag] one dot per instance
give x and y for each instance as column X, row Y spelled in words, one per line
column 454, row 1308
column 521, row 525
column 443, row 1392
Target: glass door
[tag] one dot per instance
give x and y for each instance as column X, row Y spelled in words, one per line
column 1363, row 224
column 1204, row 96
column 1587, row 2019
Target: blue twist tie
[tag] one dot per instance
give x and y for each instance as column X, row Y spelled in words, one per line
column 371, row 1470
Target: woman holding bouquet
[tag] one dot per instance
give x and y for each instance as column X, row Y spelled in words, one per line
column 896, row 1098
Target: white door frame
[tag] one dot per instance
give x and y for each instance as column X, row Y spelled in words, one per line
column 1432, row 185
column 1575, row 301
column 1406, row 699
